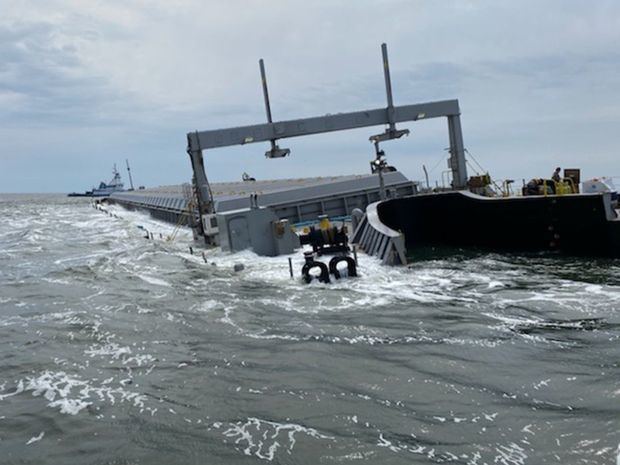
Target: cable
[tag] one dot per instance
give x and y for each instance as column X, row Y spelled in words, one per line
column 185, row 213
column 476, row 161
column 436, row 165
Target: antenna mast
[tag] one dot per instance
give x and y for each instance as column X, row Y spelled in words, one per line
column 276, row 151
column 129, row 172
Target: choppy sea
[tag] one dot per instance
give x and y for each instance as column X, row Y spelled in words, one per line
column 115, row 349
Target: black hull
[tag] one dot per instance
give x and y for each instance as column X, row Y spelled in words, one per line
column 569, row 224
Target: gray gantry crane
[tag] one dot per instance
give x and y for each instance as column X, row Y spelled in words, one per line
column 271, row 132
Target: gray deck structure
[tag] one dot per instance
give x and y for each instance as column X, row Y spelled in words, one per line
column 296, row 200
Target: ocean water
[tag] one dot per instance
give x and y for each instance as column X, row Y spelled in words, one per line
column 115, row 349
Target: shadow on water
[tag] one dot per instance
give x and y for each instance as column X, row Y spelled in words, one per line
column 584, row 324
column 592, row 270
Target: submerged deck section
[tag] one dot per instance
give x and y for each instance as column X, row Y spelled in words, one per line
column 296, row 200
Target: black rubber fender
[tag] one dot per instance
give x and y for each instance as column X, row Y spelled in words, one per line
column 323, row 277
column 351, row 266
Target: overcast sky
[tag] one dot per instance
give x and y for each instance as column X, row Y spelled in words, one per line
column 86, row 84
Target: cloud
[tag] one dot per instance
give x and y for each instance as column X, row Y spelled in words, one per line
column 85, row 84
column 42, row 80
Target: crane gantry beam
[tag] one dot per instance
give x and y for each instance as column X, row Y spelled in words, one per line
column 273, row 131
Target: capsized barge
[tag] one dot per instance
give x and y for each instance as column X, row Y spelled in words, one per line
column 572, row 224
column 390, row 217
column 294, row 200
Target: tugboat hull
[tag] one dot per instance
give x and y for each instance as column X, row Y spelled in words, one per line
column 580, row 224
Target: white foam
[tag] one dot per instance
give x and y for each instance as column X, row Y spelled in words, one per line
column 510, row 454
column 111, row 349
column 56, row 281
column 154, row 280
column 262, row 438
column 383, row 442
column 528, row 429
column 71, row 394
column 209, row 305
column 18, row 390
column 541, row 383
column 70, row 406
column 35, row 438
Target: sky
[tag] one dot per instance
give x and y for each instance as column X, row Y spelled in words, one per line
column 87, row 84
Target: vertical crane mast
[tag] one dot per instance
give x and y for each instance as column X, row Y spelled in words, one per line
column 275, row 152
column 380, row 163
column 129, row 173
column 391, row 132
column 388, row 88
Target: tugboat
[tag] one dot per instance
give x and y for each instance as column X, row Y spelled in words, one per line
column 104, row 190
